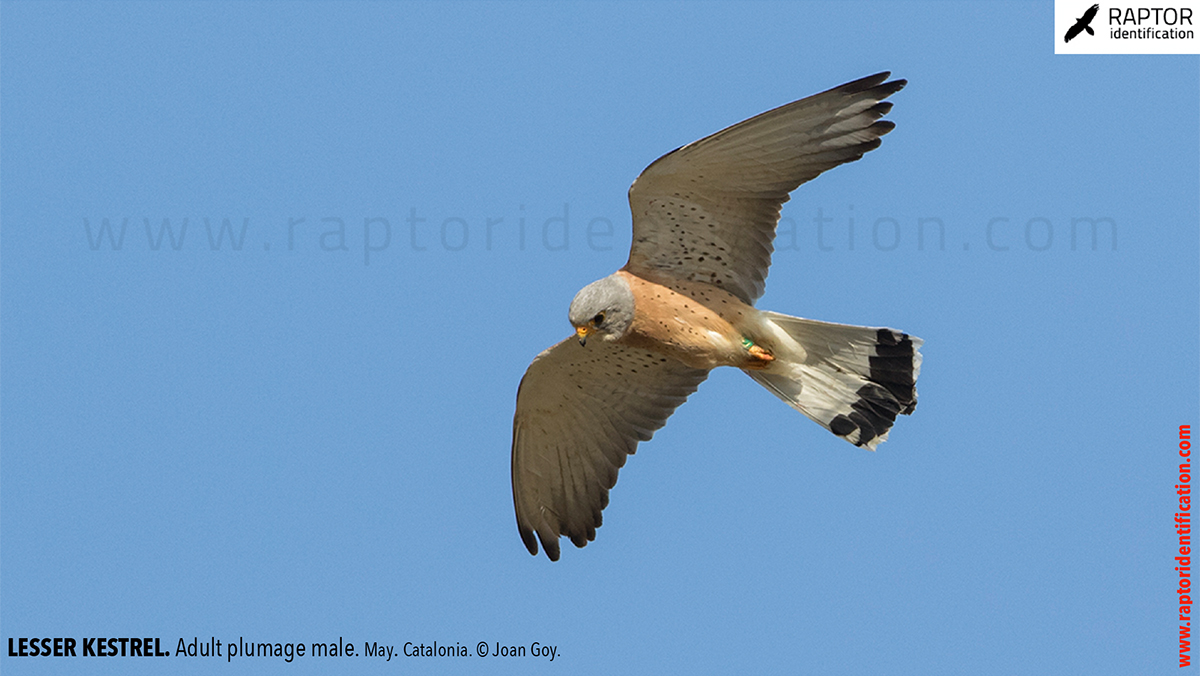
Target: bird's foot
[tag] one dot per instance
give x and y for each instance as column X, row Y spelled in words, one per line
column 760, row 357
column 760, row 354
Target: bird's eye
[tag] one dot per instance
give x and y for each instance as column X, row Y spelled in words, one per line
column 598, row 319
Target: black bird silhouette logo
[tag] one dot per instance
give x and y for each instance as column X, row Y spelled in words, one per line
column 1082, row 24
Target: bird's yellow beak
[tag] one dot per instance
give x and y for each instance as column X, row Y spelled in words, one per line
column 582, row 332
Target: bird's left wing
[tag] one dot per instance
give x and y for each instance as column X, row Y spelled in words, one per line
column 580, row 412
column 707, row 211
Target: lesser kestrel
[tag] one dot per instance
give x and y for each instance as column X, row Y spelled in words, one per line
column 704, row 218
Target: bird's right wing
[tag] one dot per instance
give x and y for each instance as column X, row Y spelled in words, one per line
column 580, row 412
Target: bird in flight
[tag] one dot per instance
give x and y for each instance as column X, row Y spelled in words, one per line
column 704, row 218
column 1082, row 24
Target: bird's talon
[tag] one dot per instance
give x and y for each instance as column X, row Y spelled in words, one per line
column 760, row 354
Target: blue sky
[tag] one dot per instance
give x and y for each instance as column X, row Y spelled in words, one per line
column 306, row 435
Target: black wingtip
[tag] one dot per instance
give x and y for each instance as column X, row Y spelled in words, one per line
column 879, row 109
column 552, row 550
column 864, row 83
column 530, row 541
column 882, row 127
column 877, row 84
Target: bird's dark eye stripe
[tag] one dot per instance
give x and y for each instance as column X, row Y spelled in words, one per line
column 599, row 318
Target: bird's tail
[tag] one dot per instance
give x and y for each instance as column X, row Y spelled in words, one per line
column 852, row 380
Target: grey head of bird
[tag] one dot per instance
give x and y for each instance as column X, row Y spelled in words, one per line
column 603, row 308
